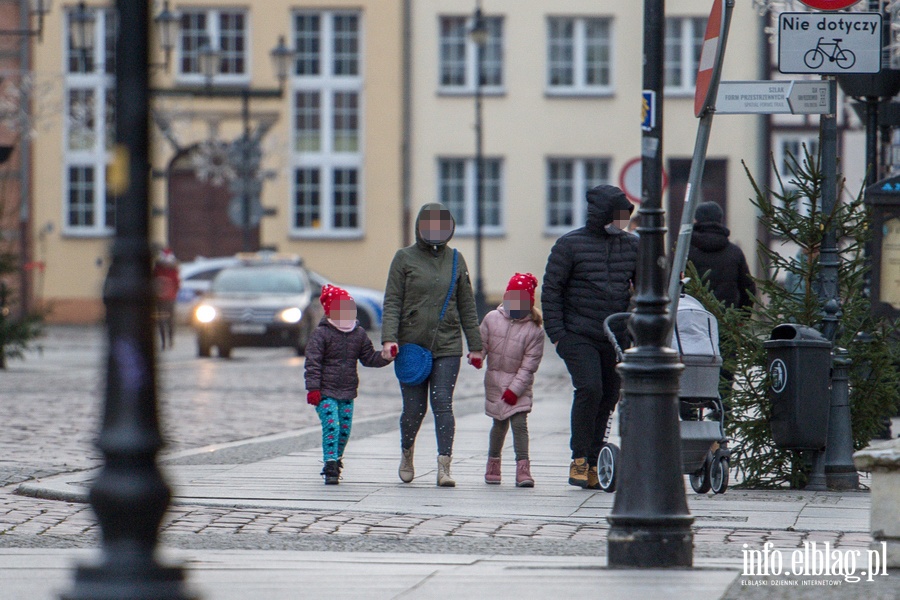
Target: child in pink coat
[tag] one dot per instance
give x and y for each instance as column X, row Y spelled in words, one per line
column 514, row 344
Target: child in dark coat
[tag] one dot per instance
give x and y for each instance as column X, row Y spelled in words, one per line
column 331, row 378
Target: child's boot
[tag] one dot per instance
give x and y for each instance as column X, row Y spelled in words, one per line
column 443, row 472
column 406, row 471
column 523, row 474
column 492, row 472
column 331, row 473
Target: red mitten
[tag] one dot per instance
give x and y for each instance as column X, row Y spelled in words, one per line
column 313, row 397
column 475, row 361
column 394, row 350
column 510, row 398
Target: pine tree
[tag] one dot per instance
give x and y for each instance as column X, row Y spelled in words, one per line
column 793, row 213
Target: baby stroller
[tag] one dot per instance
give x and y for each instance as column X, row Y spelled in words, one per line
column 704, row 448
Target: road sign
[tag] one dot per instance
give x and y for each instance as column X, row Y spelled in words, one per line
column 829, row 43
column 773, row 97
column 709, row 57
column 648, row 110
column 829, row 4
column 630, row 179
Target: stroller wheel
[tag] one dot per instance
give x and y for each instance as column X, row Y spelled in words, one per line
column 718, row 473
column 606, row 467
column 700, row 480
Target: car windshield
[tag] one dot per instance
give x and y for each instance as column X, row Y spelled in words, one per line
column 259, row 281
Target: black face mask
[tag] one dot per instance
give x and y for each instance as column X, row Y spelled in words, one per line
column 519, row 314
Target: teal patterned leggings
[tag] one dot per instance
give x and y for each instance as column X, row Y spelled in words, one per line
column 336, row 417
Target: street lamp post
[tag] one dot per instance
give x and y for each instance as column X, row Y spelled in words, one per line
column 650, row 522
column 479, row 35
column 130, row 495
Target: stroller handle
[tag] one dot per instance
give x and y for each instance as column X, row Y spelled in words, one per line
column 607, row 329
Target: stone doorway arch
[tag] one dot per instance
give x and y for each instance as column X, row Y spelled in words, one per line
column 198, row 222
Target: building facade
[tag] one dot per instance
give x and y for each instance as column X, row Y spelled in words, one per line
column 17, row 88
column 328, row 150
column 376, row 118
column 561, row 85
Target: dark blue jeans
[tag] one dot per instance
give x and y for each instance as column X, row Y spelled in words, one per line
column 440, row 384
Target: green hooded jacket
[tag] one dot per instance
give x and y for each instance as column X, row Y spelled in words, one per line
column 417, row 285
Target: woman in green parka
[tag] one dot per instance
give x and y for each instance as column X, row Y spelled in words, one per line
column 416, row 290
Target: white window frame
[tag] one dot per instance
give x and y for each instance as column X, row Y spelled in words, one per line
column 98, row 82
column 467, row 228
column 579, row 84
column 580, row 187
column 779, row 154
column 326, row 159
column 691, row 30
column 213, row 33
column 468, row 87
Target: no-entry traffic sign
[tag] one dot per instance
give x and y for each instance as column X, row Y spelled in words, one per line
column 709, row 57
column 829, row 4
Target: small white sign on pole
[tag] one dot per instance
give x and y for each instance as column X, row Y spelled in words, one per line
column 829, row 43
column 773, row 98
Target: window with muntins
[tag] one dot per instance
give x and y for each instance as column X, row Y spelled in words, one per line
column 684, row 43
column 224, row 30
column 458, row 55
column 458, row 191
column 568, row 180
column 326, row 86
column 579, row 55
column 789, row 150
column 89, row 119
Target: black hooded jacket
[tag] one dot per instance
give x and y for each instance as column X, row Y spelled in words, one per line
column 722, row 263
column 590, row 271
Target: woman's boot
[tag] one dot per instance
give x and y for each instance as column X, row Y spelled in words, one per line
column 406, row 471
column 443, row 472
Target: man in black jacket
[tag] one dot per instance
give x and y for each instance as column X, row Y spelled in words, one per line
column 718, row 259
column 590, row 275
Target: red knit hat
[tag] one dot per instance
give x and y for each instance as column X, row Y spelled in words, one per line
column 332, row 294
column 527, row 282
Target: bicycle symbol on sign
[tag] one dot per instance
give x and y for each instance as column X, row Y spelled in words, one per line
column 832, row 51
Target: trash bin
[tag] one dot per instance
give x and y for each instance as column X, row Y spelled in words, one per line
column 799, row 367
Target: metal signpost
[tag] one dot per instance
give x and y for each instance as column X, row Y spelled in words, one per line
column 708, row 74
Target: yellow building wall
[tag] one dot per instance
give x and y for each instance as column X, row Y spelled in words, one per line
column 76, row 266
column 525, row 126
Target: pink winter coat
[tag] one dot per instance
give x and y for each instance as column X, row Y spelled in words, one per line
column 514, row 350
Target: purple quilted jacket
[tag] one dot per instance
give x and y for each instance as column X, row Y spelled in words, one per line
column 331, row 356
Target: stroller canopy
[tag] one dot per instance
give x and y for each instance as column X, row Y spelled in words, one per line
column 696, row 329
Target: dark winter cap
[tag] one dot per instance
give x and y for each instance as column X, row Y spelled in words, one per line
column 709, row 212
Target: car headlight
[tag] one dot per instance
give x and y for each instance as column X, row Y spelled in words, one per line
column 205, row 313
column 291, row 315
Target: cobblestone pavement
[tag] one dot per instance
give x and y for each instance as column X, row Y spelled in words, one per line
column 50, row 406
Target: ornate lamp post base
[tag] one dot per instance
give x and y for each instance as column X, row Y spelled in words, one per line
column 651, row 525
column 125, row 580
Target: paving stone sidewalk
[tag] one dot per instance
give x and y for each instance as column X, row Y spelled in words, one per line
column 253, row 518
